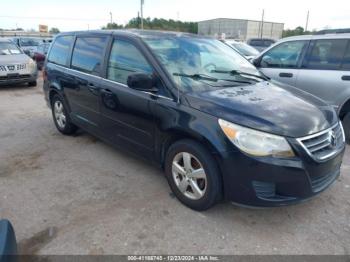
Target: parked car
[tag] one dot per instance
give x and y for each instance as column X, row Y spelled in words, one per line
column 318, row 64
column 200, row 110
column 15, row 66
column 260, row 44
column 27, row 44
column 244, row 49
column 40, row 54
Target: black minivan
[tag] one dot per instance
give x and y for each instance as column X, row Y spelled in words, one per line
column 219, row 128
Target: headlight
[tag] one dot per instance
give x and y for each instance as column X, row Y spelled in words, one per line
column 255, row 142
column 32, row 65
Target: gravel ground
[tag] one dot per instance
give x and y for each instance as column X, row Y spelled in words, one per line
column 77, row 195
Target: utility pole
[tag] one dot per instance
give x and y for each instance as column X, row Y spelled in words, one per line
column 262, row 23
column 307, row 20
column 110, row 13
column 142, row 2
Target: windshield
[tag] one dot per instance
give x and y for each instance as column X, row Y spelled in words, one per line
column 245, row 49
column 9, row 49
column 29, row 42
column 183, row 56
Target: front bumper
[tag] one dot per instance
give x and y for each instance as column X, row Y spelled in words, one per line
column 18, row 78
column 267, row 182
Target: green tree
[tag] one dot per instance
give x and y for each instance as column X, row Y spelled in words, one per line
column 297, row 31
column 54, row 30
column 112, row 26
column 158, row 24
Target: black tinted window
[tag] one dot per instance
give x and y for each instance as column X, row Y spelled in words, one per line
column 126, row 59
column 60, row 50
column 87, row 54
column 346, row 61
column 257, row 43
column 327, row 54
column 285, row 55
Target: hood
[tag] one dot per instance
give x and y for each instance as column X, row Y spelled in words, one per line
column 14, row 59
column 267, row 107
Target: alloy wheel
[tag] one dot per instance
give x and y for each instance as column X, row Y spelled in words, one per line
column 189, row 175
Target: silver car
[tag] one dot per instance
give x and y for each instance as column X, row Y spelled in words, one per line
column 318, row 64
column 15, row 66
column 244, row 49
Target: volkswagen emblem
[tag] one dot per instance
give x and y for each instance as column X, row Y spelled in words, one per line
column 332, row 139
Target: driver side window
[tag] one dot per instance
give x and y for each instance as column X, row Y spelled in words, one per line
column 125, row 59
column 285, row 55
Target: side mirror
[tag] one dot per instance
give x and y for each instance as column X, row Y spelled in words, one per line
column 142, row 82
column 256, row 62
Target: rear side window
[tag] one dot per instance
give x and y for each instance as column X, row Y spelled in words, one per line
column 126, row 59
column 327, row 54
column 257, row 43
column 285, row 55
column 60, row 50
column 346, row 60
column 88, row 54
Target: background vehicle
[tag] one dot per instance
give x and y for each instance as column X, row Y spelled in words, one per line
column 318, row 64
column 27, row 44
column 15, row 66
column 244, row 49
column 200, row 110
column 40, row 54
column 260, row 44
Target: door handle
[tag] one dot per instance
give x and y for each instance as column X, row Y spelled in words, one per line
column 345, row 78
column 91, row 86
column 289, row 75
column 107, row 91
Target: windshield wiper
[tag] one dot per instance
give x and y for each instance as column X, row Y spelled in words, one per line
column 240, row 73
column 197, row 76
column 209, row 78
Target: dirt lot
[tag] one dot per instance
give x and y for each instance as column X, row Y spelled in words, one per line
column 77, row 195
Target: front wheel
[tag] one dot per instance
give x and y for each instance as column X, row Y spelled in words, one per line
column 33, row 83
column 346, row 126
column 193, row 175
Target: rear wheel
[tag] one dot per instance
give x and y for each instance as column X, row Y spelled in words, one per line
column 346, row 126
column 193, row 175
column 61, row 117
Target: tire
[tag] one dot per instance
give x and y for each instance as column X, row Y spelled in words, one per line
column 32, row 84
column 61, row 117
column 183, row 184
column 346, row 126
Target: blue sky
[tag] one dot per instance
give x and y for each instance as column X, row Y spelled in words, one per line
column 80, row 15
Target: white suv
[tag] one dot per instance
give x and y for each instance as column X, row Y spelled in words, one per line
column 15, row 66
column 318, row 64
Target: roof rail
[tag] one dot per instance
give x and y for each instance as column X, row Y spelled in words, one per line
column 333, row 31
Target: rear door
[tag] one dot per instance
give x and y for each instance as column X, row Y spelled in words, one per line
column 281, row 63
column 84, row 88
column 324, row 73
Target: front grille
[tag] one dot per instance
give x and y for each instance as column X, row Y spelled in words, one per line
column 21, row 66
column 325, row 144
column 318, row 183
column 8, row 68
column 13, row 77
